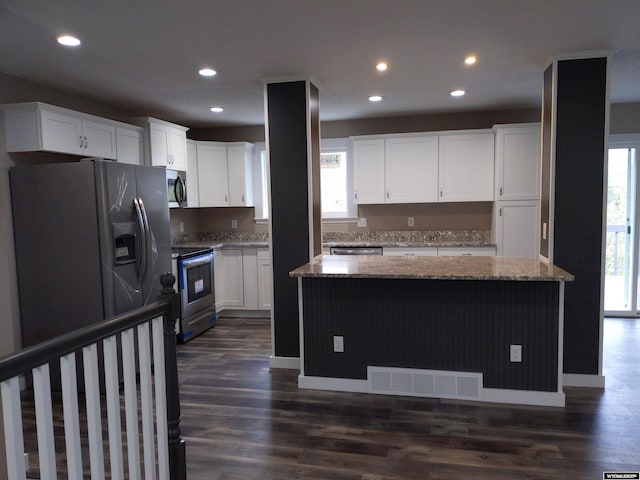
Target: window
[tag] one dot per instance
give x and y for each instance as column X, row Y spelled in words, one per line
column 335, row 181
column 333, row 184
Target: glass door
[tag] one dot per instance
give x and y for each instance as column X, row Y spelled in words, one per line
column 621, row 261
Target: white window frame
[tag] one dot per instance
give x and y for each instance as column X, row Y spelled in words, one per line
column 332, row 145
column 261, row 179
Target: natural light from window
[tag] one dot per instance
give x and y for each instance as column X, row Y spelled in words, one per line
column 333, row 184
column 335, row 178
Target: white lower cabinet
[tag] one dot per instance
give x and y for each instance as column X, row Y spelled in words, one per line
column 250, row 278
column 218, row 278
column 466, row 252
column 439, row 251
column 265, row 279
column 516, row 228
column 233, row 278
column 244, row 279
column 410, row 251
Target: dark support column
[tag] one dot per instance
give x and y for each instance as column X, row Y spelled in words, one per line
column 293, row 140
column 575, row 127
column 177, row 453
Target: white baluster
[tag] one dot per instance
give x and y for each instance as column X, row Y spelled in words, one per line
column 146, row 400
column 44, row 422
column 94, row 422
column 13, row 435
column 71, row 416
column 113, row 406
column 131, row 403
column 161, row 398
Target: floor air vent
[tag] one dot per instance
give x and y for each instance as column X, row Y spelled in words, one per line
column 424, row 383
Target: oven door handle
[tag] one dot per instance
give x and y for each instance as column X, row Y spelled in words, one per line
column 205, row 259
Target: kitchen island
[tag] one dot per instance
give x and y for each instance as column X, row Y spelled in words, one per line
column 474, row 328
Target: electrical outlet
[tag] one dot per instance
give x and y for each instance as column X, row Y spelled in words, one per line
column 234, row 223
column 362, row 222
column 181, row 226
column 411, row 221
column 544, row 230
column 338, row 344
column 515, row 353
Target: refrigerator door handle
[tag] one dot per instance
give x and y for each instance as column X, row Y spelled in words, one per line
column 143, row 240
column 147, row 238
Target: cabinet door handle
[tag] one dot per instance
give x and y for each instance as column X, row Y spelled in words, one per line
column 226, row 199
column 86, row 142
column 440, row 192
column 355, row 195
column 243, row 197
column 500, row 211
column 81, row 141
column 500, row 191
column 387, row 195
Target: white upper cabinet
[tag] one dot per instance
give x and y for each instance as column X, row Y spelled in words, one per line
column 240, row 171
column 32, row 127
column 129, row 145
column 411, row 169
column 193, row 194
column 449, row 167
column 213, row 184
column 368, row 166
column 167, row 144
column 466, row 167
column 518, row 162
column 225, row 174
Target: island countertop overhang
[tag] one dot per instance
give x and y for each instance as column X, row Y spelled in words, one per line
column 433, row 268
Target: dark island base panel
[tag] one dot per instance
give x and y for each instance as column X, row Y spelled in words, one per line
column 451, row 325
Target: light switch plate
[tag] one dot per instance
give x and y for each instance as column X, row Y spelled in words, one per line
column 411, row 222
column 362, row 222
column 338, row 344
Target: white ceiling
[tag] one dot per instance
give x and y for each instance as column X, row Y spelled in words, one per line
column 143, row 55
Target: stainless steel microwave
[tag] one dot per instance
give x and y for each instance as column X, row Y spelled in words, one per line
column 177, row 188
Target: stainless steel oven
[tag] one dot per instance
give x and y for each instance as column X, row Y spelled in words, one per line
column 194, row 268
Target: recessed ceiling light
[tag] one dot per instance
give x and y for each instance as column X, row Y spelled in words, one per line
column 68, row 41
column 217, row 109
column 375, row 98
column 458, row 93
column 382, row 66
column 470, row 60
column 207, row 72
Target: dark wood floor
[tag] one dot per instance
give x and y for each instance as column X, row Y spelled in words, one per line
column 242, row 421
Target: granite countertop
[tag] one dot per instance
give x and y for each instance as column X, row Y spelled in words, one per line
column 437, row 238
column 432, row 268
column 223, row 244
column 391, row 243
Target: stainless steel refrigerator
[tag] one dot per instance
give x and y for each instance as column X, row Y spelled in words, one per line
column 92, row 239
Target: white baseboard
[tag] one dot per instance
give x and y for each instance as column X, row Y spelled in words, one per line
column 335, row 384
column 289, row 363
column 523, row 397
column 580, row 380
